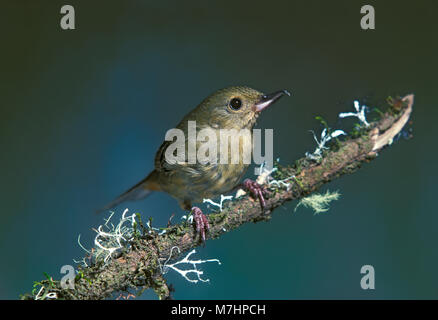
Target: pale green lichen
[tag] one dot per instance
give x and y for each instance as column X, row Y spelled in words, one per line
column 319, row 202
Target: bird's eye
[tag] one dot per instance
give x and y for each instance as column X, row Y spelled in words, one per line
column 235, row 104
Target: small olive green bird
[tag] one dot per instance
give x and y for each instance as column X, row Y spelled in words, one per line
column 229, row 108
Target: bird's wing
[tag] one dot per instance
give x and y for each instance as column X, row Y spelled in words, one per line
column 160, row 162
column 164, row 167
column 140, row 191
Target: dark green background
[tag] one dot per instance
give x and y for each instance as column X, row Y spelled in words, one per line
column 83, row 112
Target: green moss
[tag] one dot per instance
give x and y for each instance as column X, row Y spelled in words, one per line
column 379, row 112
column 81, row 275
column 324, row 123
column 357, row 131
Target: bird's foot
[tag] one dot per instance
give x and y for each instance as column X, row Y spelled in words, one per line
column 201, row 222
column 256, row 190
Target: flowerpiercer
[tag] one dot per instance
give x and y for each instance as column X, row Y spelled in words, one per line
column 230, row 108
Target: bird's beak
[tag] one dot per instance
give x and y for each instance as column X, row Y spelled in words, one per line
column 268, row 99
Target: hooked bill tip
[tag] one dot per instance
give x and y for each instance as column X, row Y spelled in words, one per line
column 269, row 99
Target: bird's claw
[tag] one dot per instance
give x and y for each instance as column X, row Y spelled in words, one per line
column 201, row 222
column 256, row 190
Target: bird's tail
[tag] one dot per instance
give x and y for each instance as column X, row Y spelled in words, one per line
column 140, row 191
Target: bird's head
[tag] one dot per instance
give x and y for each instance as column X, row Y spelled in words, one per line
column 235, row 107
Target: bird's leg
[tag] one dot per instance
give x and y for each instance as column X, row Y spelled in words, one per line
column 201, row 222
column 256, row 191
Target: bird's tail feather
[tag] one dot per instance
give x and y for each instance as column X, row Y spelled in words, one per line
column 140, row 191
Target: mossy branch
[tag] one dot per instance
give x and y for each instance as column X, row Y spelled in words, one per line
column 140, row 266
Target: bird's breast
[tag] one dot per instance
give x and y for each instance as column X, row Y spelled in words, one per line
column 197, row 181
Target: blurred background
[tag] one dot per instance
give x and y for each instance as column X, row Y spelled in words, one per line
column 83, row 112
